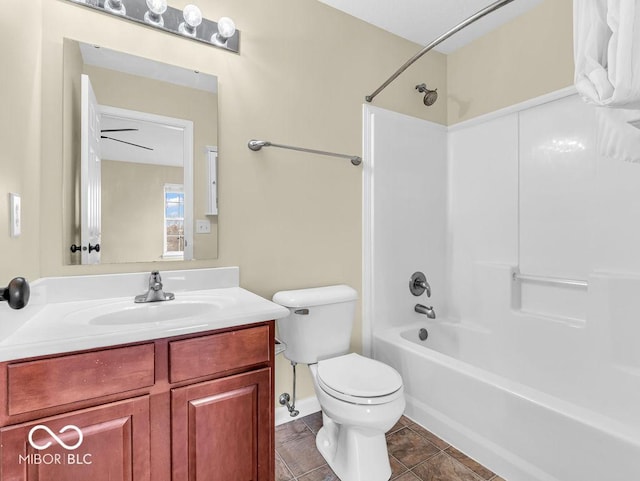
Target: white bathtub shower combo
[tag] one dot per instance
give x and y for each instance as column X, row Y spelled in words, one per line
column 530, row 242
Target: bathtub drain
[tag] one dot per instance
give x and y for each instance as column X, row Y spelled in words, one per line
column 423, row 334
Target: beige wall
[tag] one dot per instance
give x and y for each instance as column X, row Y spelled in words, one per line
column 287, row 219
column 133, row 209
column 528, row 57
column 20, row 80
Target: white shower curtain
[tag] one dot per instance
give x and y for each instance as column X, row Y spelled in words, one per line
column 607, row 59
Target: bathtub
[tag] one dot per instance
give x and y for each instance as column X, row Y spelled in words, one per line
column 461, row 386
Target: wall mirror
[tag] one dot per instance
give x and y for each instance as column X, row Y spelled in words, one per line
column 140, row 156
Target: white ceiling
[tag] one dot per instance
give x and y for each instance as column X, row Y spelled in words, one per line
column 422, row 21
column 166, row 141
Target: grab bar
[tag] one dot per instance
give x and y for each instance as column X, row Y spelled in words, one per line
column 550, row 280
column 256, row 145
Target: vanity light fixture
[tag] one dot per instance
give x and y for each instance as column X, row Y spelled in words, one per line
column 154, row 14
column 188, row 23
column 192, row 19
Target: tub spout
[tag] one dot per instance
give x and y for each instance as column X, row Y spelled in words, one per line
column 427, row 311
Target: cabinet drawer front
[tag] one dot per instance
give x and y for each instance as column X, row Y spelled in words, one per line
column 204, row 356
column 53, row 382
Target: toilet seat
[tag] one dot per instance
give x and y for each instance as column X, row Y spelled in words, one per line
column 359, row 380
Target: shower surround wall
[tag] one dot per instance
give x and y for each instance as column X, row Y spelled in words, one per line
column 543, row 379
column 404, row 215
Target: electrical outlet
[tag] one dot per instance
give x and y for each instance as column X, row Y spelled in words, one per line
column 16, row 213
column 203, row 226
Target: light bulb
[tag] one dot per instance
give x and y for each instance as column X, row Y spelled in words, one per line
column 154, row 14
column 226, row 29
column 192, row 18
column 192, row 15
column 157, row 6
column 115, row 6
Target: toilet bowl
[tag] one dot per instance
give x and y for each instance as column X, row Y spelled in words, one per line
column 361, row 398
column 357, row 416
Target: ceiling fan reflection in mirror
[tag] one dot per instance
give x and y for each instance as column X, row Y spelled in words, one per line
column 122, row 141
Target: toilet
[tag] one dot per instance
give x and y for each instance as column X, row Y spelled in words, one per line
column 361, row 398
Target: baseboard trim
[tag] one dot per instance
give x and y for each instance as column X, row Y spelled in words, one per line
column 305, row 406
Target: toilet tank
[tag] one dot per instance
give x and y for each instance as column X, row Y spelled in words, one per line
column 319, row 322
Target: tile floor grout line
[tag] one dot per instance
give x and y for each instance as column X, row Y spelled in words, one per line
column 294, row 478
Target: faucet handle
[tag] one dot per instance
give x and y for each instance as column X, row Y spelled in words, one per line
column 418, row 284
column 155, row 281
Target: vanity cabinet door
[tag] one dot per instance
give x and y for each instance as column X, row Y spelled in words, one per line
column 222, row 429
column 113, row 446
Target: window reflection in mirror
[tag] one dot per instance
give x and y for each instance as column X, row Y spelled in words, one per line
column 152, row 126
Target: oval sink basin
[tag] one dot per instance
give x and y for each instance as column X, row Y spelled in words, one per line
column 155, row 312
column 128, row 313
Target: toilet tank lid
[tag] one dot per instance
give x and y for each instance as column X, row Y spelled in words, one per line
column 315, row 296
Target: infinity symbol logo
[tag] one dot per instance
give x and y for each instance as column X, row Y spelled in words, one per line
column 54, row 436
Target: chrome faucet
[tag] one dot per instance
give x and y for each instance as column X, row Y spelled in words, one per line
column 418, row 284
column 155, row 292
column 428, row 311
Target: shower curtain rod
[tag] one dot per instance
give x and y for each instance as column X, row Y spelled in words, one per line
column 437, row 41
column 256, row 145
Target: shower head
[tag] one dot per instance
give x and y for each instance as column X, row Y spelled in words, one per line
column 430, row 96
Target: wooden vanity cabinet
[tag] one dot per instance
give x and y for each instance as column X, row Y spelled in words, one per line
column 188, row 408
column 217, row 429
column 115, row 445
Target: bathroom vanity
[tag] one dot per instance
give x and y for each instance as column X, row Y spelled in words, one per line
column 196, row 406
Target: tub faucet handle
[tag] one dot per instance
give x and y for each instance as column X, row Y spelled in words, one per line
column 418, row 284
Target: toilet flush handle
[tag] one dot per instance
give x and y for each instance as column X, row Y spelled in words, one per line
column 302, row 312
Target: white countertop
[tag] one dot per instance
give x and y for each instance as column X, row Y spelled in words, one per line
column 65, row 318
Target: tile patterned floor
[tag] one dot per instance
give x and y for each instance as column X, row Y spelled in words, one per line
column 415, row 454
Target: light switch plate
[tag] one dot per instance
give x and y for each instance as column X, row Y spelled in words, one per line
column 15, row 215
column 203, row 226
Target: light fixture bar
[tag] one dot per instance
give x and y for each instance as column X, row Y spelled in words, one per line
column 135, row 10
